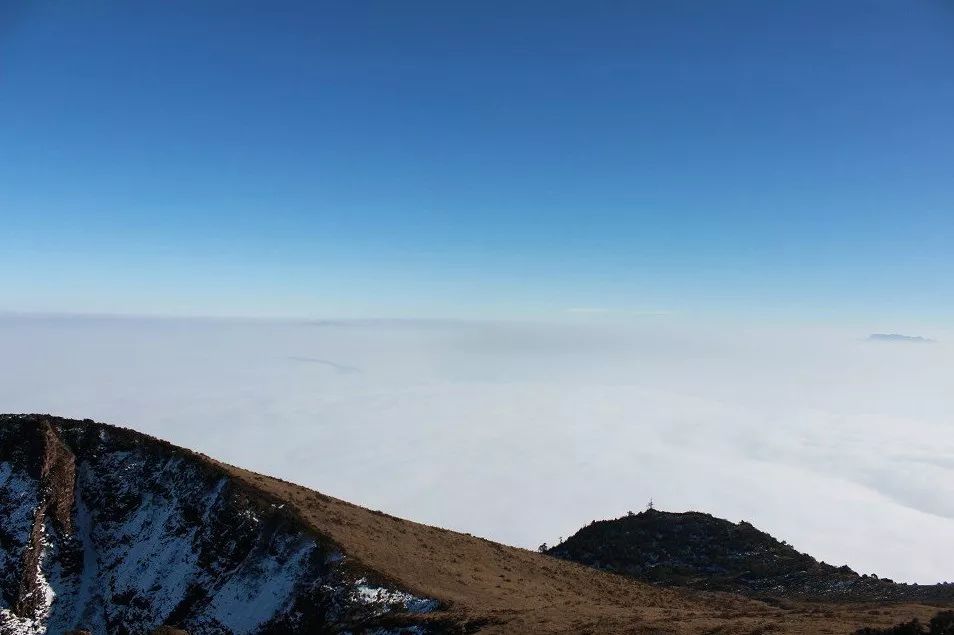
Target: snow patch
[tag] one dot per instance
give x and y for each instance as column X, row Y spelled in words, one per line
column 154, row 534
column 261, row 588
column 375, row 595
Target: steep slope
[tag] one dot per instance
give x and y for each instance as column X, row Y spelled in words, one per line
column 704, row 552
column 115, row 532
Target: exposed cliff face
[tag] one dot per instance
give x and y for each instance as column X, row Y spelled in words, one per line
column 109, row 531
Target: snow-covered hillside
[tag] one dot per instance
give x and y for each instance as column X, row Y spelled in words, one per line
column 114, row 532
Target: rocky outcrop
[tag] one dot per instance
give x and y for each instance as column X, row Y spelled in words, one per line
column 53, row 467
column 109, row 531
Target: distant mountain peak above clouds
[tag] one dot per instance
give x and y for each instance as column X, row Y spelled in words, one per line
column 701, row 551
column 897, row 337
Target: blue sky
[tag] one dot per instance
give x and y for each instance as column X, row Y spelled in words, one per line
column 382, row 159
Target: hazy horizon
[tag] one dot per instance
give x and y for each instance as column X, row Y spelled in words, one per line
column 523, row 432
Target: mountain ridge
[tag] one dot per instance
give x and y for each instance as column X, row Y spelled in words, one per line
column 376, row 573
column 117, row 530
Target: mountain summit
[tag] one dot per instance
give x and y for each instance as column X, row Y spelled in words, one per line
column 701, row 551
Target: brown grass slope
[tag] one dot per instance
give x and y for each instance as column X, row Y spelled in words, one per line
column 512, row 590
column 495, row 588
column 508, row 590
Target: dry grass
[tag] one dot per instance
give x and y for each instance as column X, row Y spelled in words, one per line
column 511, row 590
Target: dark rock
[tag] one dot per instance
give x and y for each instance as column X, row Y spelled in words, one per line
column 133, row 535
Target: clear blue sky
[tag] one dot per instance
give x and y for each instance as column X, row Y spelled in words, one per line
column 468, row 159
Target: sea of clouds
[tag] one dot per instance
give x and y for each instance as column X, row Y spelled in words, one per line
column 524, row 432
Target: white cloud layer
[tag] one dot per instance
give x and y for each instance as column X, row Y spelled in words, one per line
column 522, row 433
